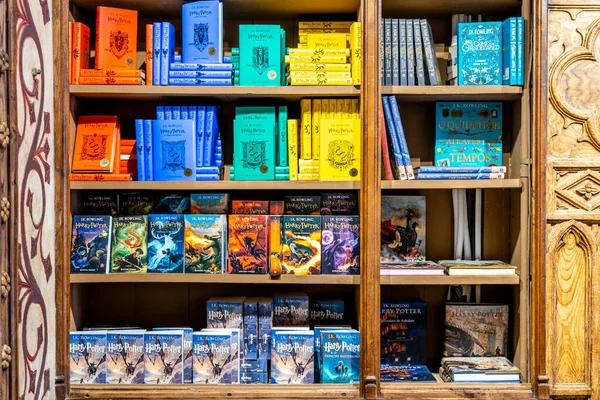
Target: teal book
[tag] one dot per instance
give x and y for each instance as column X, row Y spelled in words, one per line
column 509, row 51
column 282, row 54
column 520, row 49
column 260, row 55
column 480, row 54
column 254, row 143
column 282, row 137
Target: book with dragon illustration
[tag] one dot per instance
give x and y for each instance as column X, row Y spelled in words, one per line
column 290, row 309
column 247, row 244
column 165, row 243
column 326, row 312
column 212, row 356
column 90, row 244
column 301, row 244
column 187, row 351
column 341, row 247
column 292, row 357
column 163, row 357
column 468, row 134
column 172, row 204
column 476, row 330
column 339, row 203
column 135, row 203
column 205, row 243
column 125, row 356
column 99, row 204
column 116, row 38
column 130, row 244
column 225, row 312
column 233, row 368
column 340, row 355
column 87, row 351
column 209, row 203
column 402, row 228
column 403, row 333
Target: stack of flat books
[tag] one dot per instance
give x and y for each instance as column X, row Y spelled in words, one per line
column 479, row 369
column 477, row 268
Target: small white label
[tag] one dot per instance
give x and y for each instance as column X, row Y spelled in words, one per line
column 104, row 163
column 272, row 75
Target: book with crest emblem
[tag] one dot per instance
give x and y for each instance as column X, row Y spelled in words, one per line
column 165, row 243
column 163, row 357
column 80, row 52
column 247, row 245
column 96, row 144
column 149, row 54
column 340, row 150
column 156, row 45
column 202, row 26
column 174, row 146
column 254, row 130
column 260, row 55
column 130, row 244
column 301, row 244
column 167, row 50
column 116, row 38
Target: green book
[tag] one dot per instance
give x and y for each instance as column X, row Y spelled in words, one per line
column 282, row 137
column 254, row 131
column 260, row 55
column 282, row 51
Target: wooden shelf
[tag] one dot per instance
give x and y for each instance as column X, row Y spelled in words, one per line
column 435, row 93
column 448, row 280
column 216, row 185
column 432, row 8
column 230, row 93
column 443, row 390
column 315, row 391
column 451, row 184
column 218, row 278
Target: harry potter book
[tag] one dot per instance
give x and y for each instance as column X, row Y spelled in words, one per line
column 260, row 55
column 340, row 353
column 406, row 373
column 301, row 244
column 125, row 356
column 225, row 312
column 80, row 53
column 339, row 203
column 250, row 207
column 95, row 144
column 290, row 309
column 202, row 32
column 248, row 244
column 129, row 244
column 326, row 312
column 135, row 203
column 265, row 325
column 302, row 205
column 212, row 355
column 341, row 247
column 292, row 357
column 174, row 144
column 90, row 244
column 163, row 357
column 403, row 333
column 403, row 221
column 254, row 143
column 99, row 204
column 205, row 241
column 188, row 369
column 172, row 204
column 209, row 203
column 233, row 368
column 87, row 351
column 165, row 243
column 340, row 149
column 116, row 38
column 479, row 53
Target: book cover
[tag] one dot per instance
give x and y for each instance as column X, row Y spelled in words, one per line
column 90, row 244
column 205, row 243
column 135, row 203
column 468, row 134
column 301, row 244
column 254, row 143
column 302, row 205
column 341, row 247
column 356, row 52
column 339, row 203
column 480, row 53
column 125, row 356
column 209, row 203
column 149, row 54
column 250, row 207
column 325, row 25
column 429, row 50
column 80, row 52
column 247, row 244
column 326, row 312
column 165, row 243
column 200, row 134
column 325, row 40
column 406, row 373
column 116, row 38
column 211, row 130
column 402, row 51
column 403, row 333
column 395, row 53
column 282, row 135
column 167, row 48
column 340, row 352
column 95, row 144
column 292, row 357
column 476, row 330
column 306, row 129
column 419, row 64
column 83, row 80
column 202, row 24
column 403, row 229
column 156, row 52
column 171, row 204
column 129, row 244
column 233, row 369
column 174, row 144
column 140, row 150
column 149, row 155
column 87, row 352
column 188, row 369
column 290, row 309
column 163, row 357
column 94, row 203
column 340, row 150
column 260, row 55
column 410, row 54
column 225, row 312
column 212, row 357
column 520, row 49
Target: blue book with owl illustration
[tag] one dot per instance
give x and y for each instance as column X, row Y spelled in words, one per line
column 165, row 243
column 468, row 134
column 202, row 24
column 254, row 131
column 260, row 55
column 174, row 147
column 480, row 53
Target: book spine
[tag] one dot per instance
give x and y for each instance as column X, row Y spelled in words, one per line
column 410, row 54
column 382, row 51
column 356, row 52
column 70, row 70
column 199, row 67
column 316, row 59
column 401, row 138
column 319, row 52
column 520, row 50
column 320, row 81
column 316, row 127
column 461, row 170
column 355, row 109
column 320, row 67
column 292, row 131
column 100, row 177
column 92, row 80
column 200, row 74
column 306, row 31
column 318, row 75
column 168, row 112
column 388, row 51
column 319, row 40
column 339, row 107
column 306, row 134
column 464, row 176
column 402, row 52
column 97, row 43
column 139, row 149
column 160, row 112
column 221, row 29
column 156, row 51
column 210, row 135
column 199, row 82
column 395, row 54
column 149, row 56
column 149, row 156
column 282, row 38
column 176, row 111
column 200, row 126
column 430, row 56
column 110, row 73
column 282, row 127
column 79, row 50
column 385, row 150
column 418, row 53
column 207, row 170
column 400, row 168
column 184, row 112
column 208, row 178
column 325, row 25
column 332, row 108
column 309, row 169
column 348, row 108
column 167, row 49
column 513, row 52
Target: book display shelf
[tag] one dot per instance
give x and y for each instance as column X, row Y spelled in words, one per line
column 179, row 299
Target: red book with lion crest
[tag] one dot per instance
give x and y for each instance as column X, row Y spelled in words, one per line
column 116, row 38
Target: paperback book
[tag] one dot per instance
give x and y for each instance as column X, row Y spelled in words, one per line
column 403, row 333
column 213, row 358
column 209, row 203
column 302, row 205
column 90, row 244
column 340, row 353
column 172, row 204
column 225, row 313
column 165, row 243
column 130, row 244
column 99, row 204
column 292, row 357
column 135, row 204
column 187, row 351
column 87, row 351
column 291, row 309
column 163, row 357
column 125, row 356
column 174, row 146
column 403, row 221
column 341, row 247
column 339, row 203
column 247, row 244
column 326, row 312
column 406, row 373
column 205, row 241
column 301, row 244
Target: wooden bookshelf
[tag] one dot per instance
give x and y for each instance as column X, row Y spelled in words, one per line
column 444, row 390
column 468, row 93
column 217, row 278
column 429, row 8
column 440, row 184
column 449, row 280
column 216, row 185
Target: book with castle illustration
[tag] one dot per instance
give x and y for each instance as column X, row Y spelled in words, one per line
column 402, row 229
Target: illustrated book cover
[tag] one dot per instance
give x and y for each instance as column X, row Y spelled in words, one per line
column 326, row 312
column 260, row 55
column 406, row 373
column 225, row 313
column 212, row 354
column 165, row 243
column 341, row 247
column 340, row 353
column 247, row 244
column 301, row 244
column 205, row 243
column 125, row 356
column 163, row 357
column 250, row 207
column 99, row 204
column 481, row 369
column 172, row 204
column 174, row 146
column 340, row 150
column 403, row 333
column 403, row 229
column 95, row 147
column 135, row 203
column 290, row 309
column 236, row 346
column 116, row 38
column 90, row 244
column 302, row 205
column 339, row 203
column 87, row 352
column 202, row 25
column 209, row 203
column 479, row 53
column 188, row 368
column 130, row 244
column 292, row 357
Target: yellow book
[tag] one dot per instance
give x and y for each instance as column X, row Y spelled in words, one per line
column 348, row 108
column 302, row 46
column 325, row 40
column 319, row 67
column 316, row 123
column 320, row 81
column 306, row 129
column 319, row 52
column 319, row 74
column 292, row 127
column 309, row 169
column 316, row 59
column 325, row 25
column 306, row 31
column 340, row 150
column 356, row 52
column 332, row 109
column 355, row 108
column 339, row 108
column 305, row 163
column 308, row 177
column 324, row 109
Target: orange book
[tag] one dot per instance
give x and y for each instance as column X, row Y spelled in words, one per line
column 116, row 38
column 127, row 157
column 100, row 177
column 80, row 56
column 117, row 169
column 149, row 54
column 90, row 80
column 110, row 73
column 95, row 144
column 70, row 52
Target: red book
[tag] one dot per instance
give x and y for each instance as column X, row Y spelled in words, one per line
column 80, row 54
column 149, row 55
column 100, row 177
column 385, row 150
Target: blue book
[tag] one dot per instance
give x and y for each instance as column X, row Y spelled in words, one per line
column 395, row 53
column 166, row 51
column 200, row 178
column 177, row 58
column 265, row 326
column 87, row 352
column 290, row 310
column 184, row 112
column 318, row 358
column 200, row 67
column 188, row 369
column 207, row 170
column 520, row 49
column 391, row 130
column 410, row 54
column 403, row 333
column 255, row 366
column 406, row 373
column 165, row 243
column 402, row 52
column 210, row 135
column 460, row 170
column 226, row 59
column 176, row 112
column 429, row 51
column 468, row 134
column 201, row 25
column 163, row 357
column 401, row 138
column 168, row 112
column 509, row 51
column 192, row 113
column 212, row 349
column 199, row 82
column 388, row 51
column 233, row 368
column 156, row 63
column 171, row 203
column 420, row 71
column 200, row 127
column 125, row 356
column 382, row 51
column 463, row 176
column 174, row 150
column 250, row 342
column 326, row 312
column 340, row 353
column 91, row 242
column 480, row 53
column 297, row 347
column 160, row 112
column 140, row 149
column 149, row 156
column 225, row 312
column 209, row 203
column 200, row 74
column 282, row 135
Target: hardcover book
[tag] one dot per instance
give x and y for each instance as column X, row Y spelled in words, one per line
column 301, row 244
column 339, row 203
column 260, row 55
column 172, row 204
column 326, row 312
column 149, row 54
column 163, row 357
column 403, row 333
column 167, row 49
column 419, row 64
column 340, row 353
column 290, row 309
column 340, row 242
column 292, row 357
column 476, row 330
column 80, row 54
column 265, row 325
column 202, row 25
column 95, row 147
column 403, row 220
column 480, row 369
column 247, row 244
column 99, row 204
column 156, row 53
column 302, row 205
column 87, row 351
column 406, row 373
column 340, row 149
column 468, row 134
column 209, row 203
column 188, row 368
column 282, row 136
column 205, row 243
column 125, row 356
column 200, row 134
column 212, row 357
column 90, row 244
column 165, row 243
column 254, row 143
column 225, row 312
column 135, row 204
column 116, row 38
column 250, row 207
column 480, row 53
column 509, row 51
column 129, row 244
column 174, row 145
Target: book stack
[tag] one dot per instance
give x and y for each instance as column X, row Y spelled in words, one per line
column 235, row 63
column 183, row 143
column 408, row 56
column 477, row 268
column 261, row 51
column 128, row 157
column 400, row 165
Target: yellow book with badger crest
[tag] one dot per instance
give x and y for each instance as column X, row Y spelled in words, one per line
column 316, row 59
column 318, row 74
column 320, row 81
column 318, row 52
column 319, row 67
column 340, row 150
column 324, row 25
